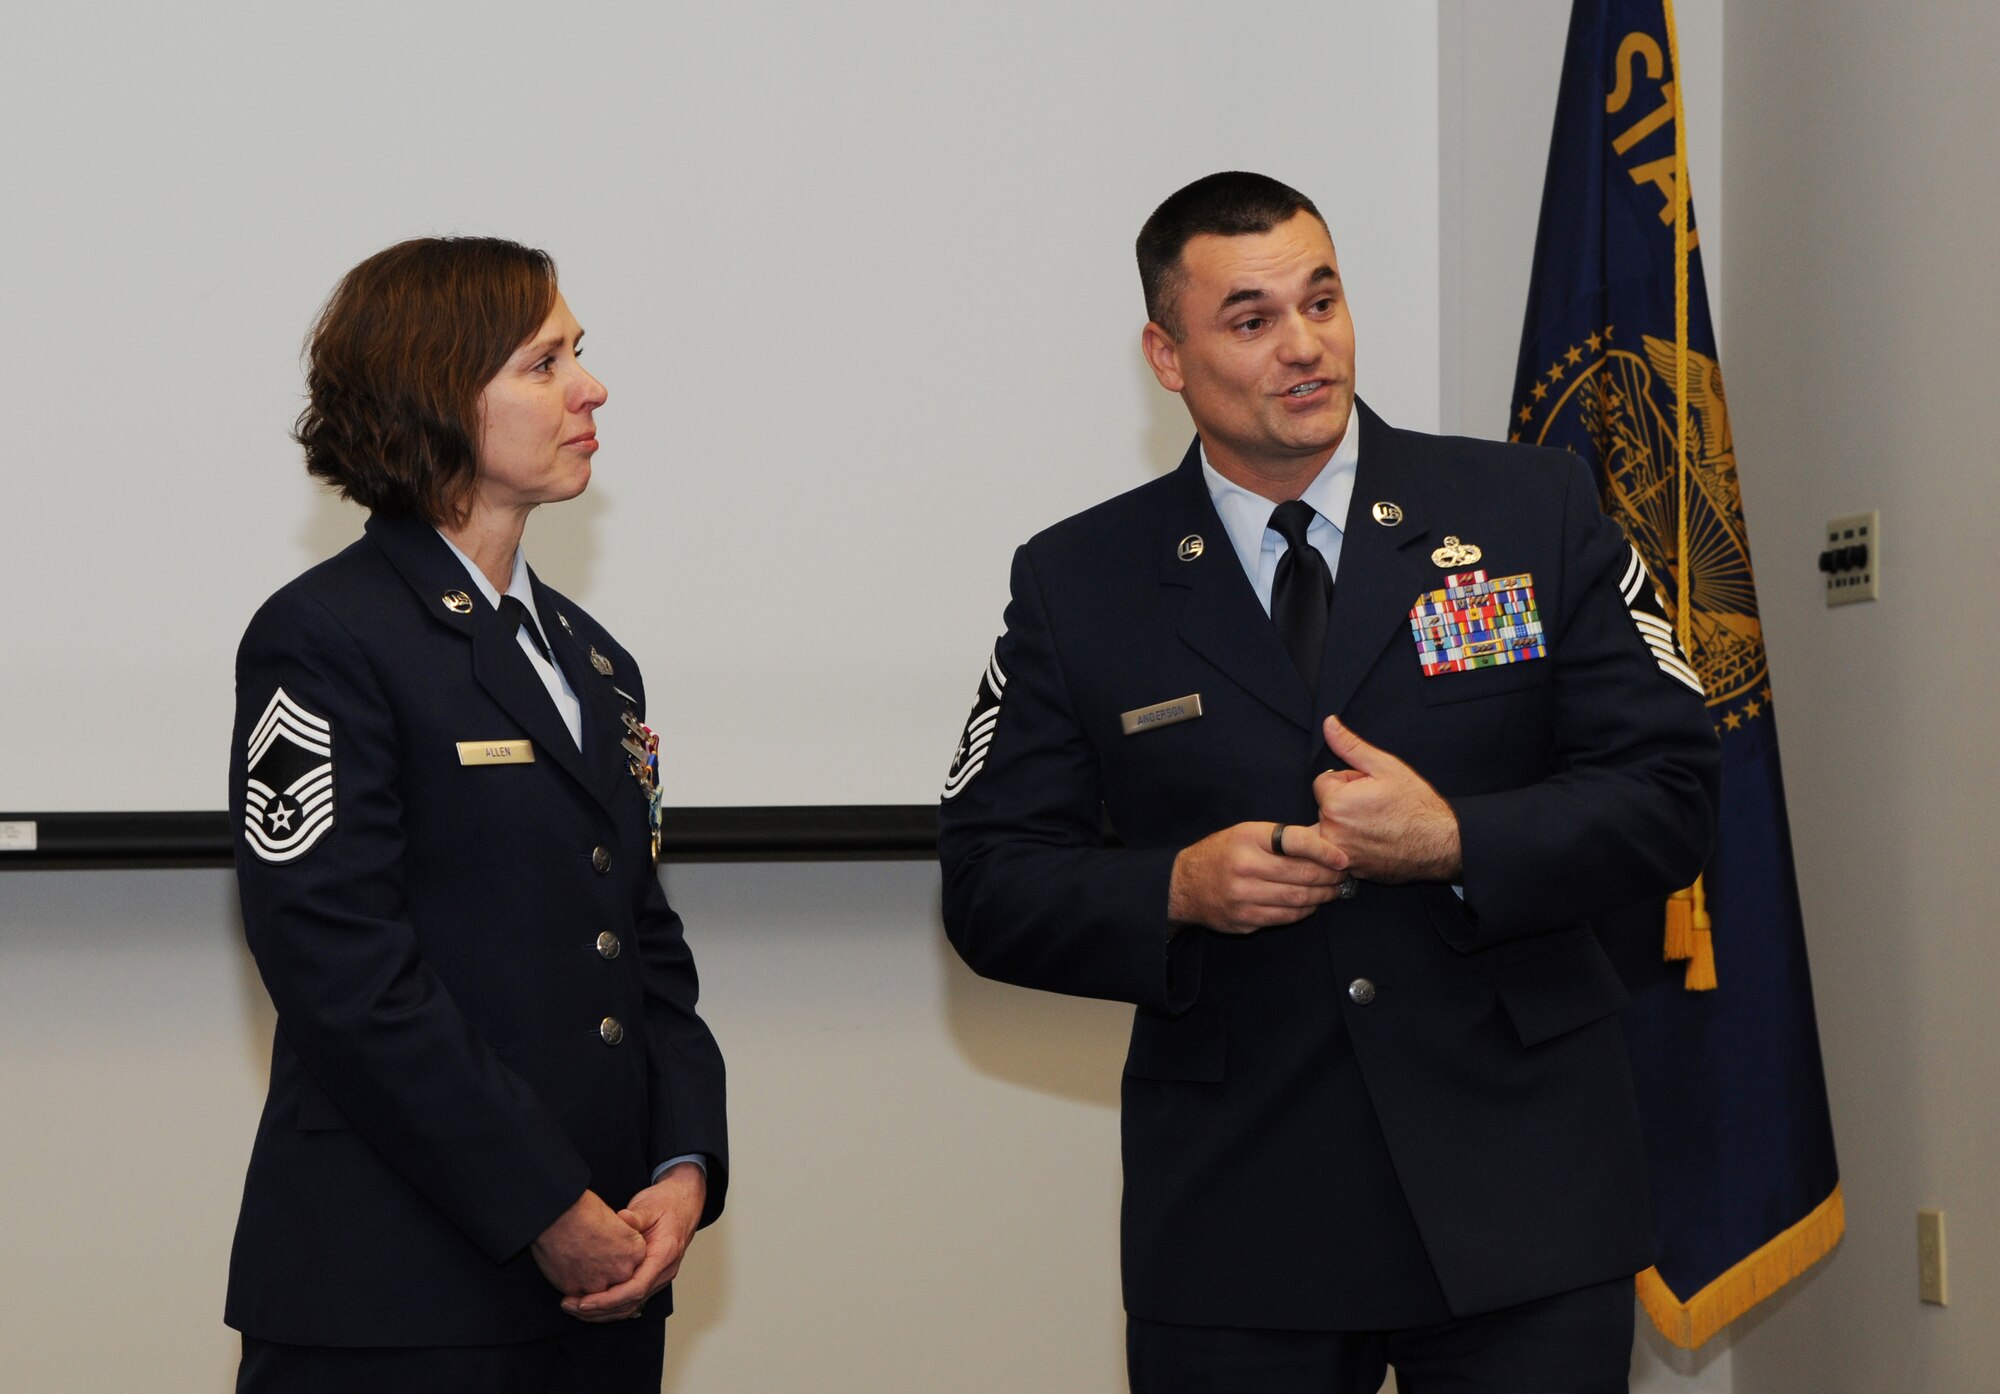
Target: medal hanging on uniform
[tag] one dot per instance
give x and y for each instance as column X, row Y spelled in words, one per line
column 642, row 750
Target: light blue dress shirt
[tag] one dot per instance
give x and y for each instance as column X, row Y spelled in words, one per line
column 1246, row 516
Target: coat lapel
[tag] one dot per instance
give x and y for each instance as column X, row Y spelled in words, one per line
column 1383, row 567
column 1220, row 618
column 603, row 755
column 498, row 665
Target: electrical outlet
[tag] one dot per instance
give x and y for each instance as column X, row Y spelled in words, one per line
column 1930, row 1256
column 1852, row 561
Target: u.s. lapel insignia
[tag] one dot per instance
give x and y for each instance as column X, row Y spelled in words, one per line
column 1191, row 547
column 1388, row 514
column 1455, row 553
column 458, row 602
column 563, row 620
column 599, row 661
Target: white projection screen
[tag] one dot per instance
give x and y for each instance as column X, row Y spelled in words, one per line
column 858, row 278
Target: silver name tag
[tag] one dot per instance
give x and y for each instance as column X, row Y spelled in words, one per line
column 1161, row 714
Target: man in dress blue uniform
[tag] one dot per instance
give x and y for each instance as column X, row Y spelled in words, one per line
column 1380, row 722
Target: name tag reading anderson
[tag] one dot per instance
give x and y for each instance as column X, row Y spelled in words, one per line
column 496, row 753
column 1160, row 714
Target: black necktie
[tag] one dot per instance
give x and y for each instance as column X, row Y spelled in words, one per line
column 515, row 616
column 1302, row 592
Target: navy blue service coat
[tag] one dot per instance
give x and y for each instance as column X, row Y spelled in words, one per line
column 443, row 954
column 1407, row 1105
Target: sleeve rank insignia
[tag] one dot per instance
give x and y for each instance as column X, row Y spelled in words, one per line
column 970, row 757
column 288, row 794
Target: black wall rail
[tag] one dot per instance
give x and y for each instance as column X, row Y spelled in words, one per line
column 832, row 832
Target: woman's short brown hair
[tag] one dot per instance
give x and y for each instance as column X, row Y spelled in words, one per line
column 396, row 362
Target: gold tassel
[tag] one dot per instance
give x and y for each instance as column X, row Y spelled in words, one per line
column 1701, row 967
column 1701, row 964
column 1688, row 1324
column 1680, row 925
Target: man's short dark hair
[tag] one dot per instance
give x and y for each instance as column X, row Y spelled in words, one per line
column 397, row 361
column 1230, row 204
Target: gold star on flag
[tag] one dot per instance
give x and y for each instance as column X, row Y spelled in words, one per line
column 1526, row 415
column 1555, row 372
column 1541, row 390
column 1596, row 342
column 1752, row 707
column 1732, row 720
column 1574, row 356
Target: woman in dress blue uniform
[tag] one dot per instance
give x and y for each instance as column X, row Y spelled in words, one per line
column 495, row 1119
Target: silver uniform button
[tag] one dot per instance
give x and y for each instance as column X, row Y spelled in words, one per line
column 608, row 945
column 600, row 859
column 609, row 1031
column 1362, row 991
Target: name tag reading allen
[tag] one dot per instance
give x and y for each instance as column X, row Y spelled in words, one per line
column 496, row 753
column 1160, row 714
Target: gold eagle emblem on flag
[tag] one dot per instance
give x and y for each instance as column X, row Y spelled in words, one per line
column 1624, row 401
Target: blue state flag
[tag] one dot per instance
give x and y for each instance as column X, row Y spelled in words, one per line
column 1618, row 363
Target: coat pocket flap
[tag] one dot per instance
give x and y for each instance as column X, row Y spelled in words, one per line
column 1192, row 1047
column 1570, row 985
column 1483, row 682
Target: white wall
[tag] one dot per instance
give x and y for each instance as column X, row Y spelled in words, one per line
column 1862, row 289
column 858, row 277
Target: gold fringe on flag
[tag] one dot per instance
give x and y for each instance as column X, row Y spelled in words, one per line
column 1746, row 1283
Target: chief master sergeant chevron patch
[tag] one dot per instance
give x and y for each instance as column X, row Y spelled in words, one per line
column 288, row 798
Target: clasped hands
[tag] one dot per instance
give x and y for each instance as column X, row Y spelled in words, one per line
column 1379, row 820
column 607, row 1264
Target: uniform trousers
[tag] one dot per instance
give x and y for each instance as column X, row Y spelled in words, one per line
column 611, row 1358
column 1576, row 1342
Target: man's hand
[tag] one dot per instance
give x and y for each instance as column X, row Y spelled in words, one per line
column 1234, row 882
column 666, row 1214
column 588, row 1248
column 1384, row 819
